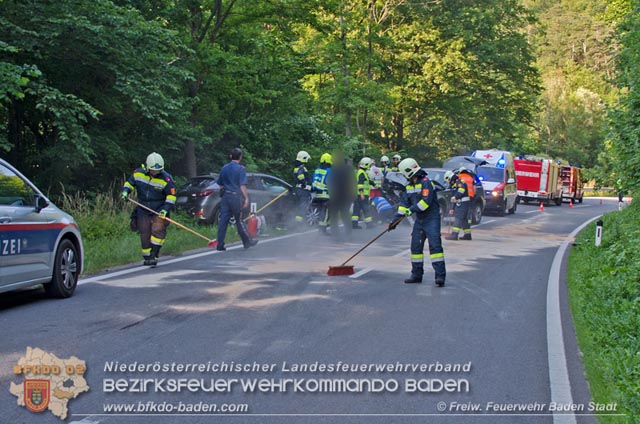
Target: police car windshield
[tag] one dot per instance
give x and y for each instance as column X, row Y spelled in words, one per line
column 490, row 173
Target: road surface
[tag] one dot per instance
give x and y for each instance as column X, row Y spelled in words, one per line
column 266, row 336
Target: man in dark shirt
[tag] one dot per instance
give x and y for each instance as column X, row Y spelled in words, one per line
column 233, row 183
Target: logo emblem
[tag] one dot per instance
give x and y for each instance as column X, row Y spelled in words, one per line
column 36, row 394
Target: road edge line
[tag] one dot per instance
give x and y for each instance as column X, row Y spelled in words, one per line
column 556, row 354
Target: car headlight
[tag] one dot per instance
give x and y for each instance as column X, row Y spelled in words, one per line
column 496, row 193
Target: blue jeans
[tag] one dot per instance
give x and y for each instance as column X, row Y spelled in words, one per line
column 427, row 228
column 231, row 206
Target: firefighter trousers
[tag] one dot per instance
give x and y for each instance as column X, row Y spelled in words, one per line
column 427, row 229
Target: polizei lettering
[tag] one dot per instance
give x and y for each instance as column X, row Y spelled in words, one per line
column 11, row 247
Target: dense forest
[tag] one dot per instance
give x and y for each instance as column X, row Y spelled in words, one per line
column 89, row 87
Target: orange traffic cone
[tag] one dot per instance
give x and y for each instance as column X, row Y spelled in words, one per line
column 570, row 203
column 541, row 206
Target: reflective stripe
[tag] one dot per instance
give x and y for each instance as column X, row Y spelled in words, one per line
column 422, row 205
column 454, row 229
column 368, row 219
column 129, row 186
column 170, row 199
column 146, row 252
column 355, row 218
column 437, row 257
column 157, row 241
column 465, row 199
column 467, row 230
column 417, row 258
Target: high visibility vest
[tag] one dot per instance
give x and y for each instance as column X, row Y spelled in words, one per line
column 468, row 179
column 362, row 179
column 320, row 183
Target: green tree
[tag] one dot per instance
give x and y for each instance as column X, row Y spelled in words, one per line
column 625, row 116
column 103, row 87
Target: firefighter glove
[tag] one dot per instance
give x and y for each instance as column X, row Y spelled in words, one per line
column 124, row 195
column 162, row 214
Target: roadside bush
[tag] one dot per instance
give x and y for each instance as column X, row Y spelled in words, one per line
column 108, row 241
column 604, row 294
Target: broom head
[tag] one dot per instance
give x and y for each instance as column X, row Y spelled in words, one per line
column 213, row 243
column 340, row 270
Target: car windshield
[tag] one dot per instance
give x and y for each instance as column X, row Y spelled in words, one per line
column 490, row 173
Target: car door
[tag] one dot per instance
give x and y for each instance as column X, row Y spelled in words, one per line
column 274, row 187
column 256, row 191
column 26, row 241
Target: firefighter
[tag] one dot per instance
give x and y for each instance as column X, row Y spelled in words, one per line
column 396, row 161
column 384, row 164
column 302, row 182
column 319, row 186
column 421, row 200
column 157, row 191
column 363, row 187
column 461, row 202
column 233, row 186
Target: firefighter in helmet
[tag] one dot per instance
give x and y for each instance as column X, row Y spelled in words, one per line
column 396, row 162
column 463, row 191
column 319, row 186
column 420, row 200
column 363, row 187
column 157, row 191
column 302, row 182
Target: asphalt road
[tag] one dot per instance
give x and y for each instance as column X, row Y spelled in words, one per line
column 475, row 351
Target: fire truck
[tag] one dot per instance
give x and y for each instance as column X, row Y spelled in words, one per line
column 538, row 180
column 571, row 177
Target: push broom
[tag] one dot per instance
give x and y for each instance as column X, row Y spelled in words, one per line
column 345, row 269
column 211, row 243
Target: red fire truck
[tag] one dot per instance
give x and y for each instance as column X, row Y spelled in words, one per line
column 571, row 177
column 538, row 180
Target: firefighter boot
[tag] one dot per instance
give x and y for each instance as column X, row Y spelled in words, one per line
column 355, row 226
column 467, row 236
column 440, row 281
column 147, row 260
column 414, row 279
column 155, row 253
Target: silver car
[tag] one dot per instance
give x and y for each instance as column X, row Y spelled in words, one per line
column 39, row 243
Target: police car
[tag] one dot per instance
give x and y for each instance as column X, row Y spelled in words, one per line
column 39, row 243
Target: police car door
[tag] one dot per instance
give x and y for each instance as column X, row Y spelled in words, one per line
column 25, row 242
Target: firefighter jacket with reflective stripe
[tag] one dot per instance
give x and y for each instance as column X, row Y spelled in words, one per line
column 302, row 177
column 461, row 191
column 363, row 182
column 420, row 199
column 156, row 192
column 320, row 182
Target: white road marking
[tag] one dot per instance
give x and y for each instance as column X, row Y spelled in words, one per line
column 557, row 356
column 180, row 259
column 366, row 270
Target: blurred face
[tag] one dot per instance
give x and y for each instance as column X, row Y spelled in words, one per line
column 396, row 161
column 154, row 172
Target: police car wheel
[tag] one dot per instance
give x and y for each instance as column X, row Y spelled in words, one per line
column 65, row 271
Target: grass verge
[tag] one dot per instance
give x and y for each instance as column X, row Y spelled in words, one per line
column 108, row 241
column 604, row 296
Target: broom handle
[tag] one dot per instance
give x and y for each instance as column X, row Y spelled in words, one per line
column 270, row 202
column 396, row 222
column 169, row 219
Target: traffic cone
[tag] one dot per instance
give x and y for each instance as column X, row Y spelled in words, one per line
column 541, row 206
column 571, row 204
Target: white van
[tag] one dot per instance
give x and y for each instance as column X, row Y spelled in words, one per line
column 498, row 178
